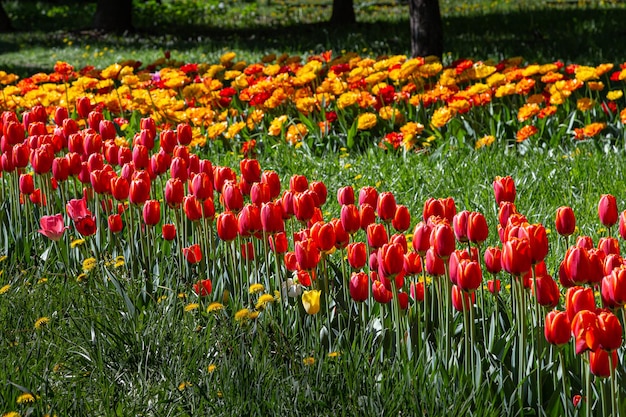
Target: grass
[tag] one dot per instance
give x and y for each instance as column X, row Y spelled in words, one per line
column 101, row 351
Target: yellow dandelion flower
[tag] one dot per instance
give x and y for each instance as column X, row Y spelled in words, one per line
column 89, row 264
column 119, row 261
column 214, row 306
column 5, row 289
column 42, row 280
column 182, row 295
column 242, row 315
column 41, row 322
column 26, row 398
column 253, row 315
column 77, row 242
column 256, row 288
column 11, row 414
column 81, row 277
column 309, row 361
column 263, row 300
column 161, row 299
column 192, row 307
column 184, row 385
column 211, row 368
column 276, row 295
column 334, row 354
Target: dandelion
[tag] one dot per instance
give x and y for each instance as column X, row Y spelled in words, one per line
column 191, row 307
column 41, row 322
column 242, row 315
column 253, row 315
column 89, row 264
column 256, row 288
column 26, row 398
column 214, row 306
column 81, row 278
column 211, row 368
column 76, row 242
column 334, row 354
column 42, row 280
column 5, row 289
column 184, row 385
column 161, row 299
column 263, row 300
column 11, row 414
column 119, row 261
column 309, row 361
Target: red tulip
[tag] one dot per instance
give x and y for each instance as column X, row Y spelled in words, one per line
column 357, row 254
column 26, row 184
column 278, row 242
column 434, row 265
column 609, row 245
column 298, row 183
column 557, row 328
column 303, row 206
column 412, row 263
column 114, row 221
column 607, row 210
column 232, row 197
column 359, row 286
column 442, row 240
column 227, row 226
column 272, row 218
column 461, row 300
column 324, row 236
column 350, row 218
column 201, row 186
column 386, row 207
column 460, row 225
column 168, row 231
column 433, row 207
column 250, row 170
column 184, row 134
column 516, row 256
column 260, row 193
column 421, row 238
column 380, row 293
column 504, row 189
column 477, row 229
column 345, row 195
column 319, row 189
column 417, row 291
column 390, row 260
column 307, row 254
column 83, row 107
column 402, row 219
column 52, row 227
column 139, row 191
column 193, row 254
column 203, row 287
column 469, row 275
column 367, row 215
column 609, row 331
column 546, row 291
column 151, row 212
column 192, row 207
column 494, row 286
column 291, row 263
column 600, row 363
column 41, row 159
column 376, row 235
column 538, row 241
column 579, row 299
column 368, row 195
column 86, row 225
column 179, row 169
column 565, row 222
column 614, row 287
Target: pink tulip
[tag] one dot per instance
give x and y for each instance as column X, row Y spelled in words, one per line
column 52, row 227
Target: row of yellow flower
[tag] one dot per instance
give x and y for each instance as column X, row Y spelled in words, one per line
column 401, row 100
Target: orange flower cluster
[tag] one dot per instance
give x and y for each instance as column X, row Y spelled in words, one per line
column 331, row 98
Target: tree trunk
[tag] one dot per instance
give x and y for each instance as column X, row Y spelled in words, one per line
column 426, row 28
column 114, row 15
column 5, row 22
column 343, row 12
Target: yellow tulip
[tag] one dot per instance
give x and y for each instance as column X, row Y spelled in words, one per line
column 311, row 301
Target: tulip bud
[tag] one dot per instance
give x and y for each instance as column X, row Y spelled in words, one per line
column 565, row 222
column 607, row 210
column 504, row 189
column 557, row 328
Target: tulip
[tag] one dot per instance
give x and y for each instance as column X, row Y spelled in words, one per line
column 86, row 225
column 494, row 286
column 203, row 287
column 565, row 222
column 77, row 208
column 291, row 262
column 434, row 265
column 402, row 219
column 386, row 207
column 538, row 241
column 324, row 236
column 260, row 193
column 151, row 212
column 469, row 275
column 278, row 242
column 600, row 364
column 504, row 189
column 609, row 331
column 442, row 240
column 412, row 263
column 179, row 169
column 41, row 159
column 477, row 229
column 201, row 186
column 359, row 286
column 368, row 195
column 579, row 299
column 417, row 291
column 311, row 301
column 92, row 143
column 380, row 293
column 460, row 299
column 345, row 195
column 174, row 193
column 421, row 238
column 298, row 183
column 184, row 134
column 357, row 254
column 250, row 170
column 227, row 226
column 303, row 206
column 114, row 221
column 26, row 184
column 272, row 217
column 192, row 207
column 307, row 254
column 433, row 207
column 459, row 225
column 367, row 215
column 272, row 179
column 516, row 256
column 168, row 231
column 193, row 254
column 52, row 227
column 83, row 107
column 546, row 291
column 232, row 197
column 493, row 260
column 622, row 224
column 607, row 210
column 390, row 260
column 319, row 189
column 376, row 235
column 609, row 245
column 557, row 328
column 139, row 191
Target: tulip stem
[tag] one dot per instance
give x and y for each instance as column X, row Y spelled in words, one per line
column 538, row 353
column 426, row 303
column 587, row 388
column 613, row 387
column 564, row 381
